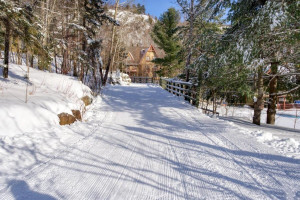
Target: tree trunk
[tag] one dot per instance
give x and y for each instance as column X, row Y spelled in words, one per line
column 6, row 49
column 27, row 58
column 273, row 97
column 111, row 46
column 31, row 60
column 101, row 73
column 64, row 62
column 258, row 105
column 84, row 44
column 19, row 51
column 55, row 61
column 75, row 67
column 94, row 71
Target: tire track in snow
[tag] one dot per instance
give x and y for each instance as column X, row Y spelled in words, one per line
column 186, row 158
column 74, row 162
column 110, row 190
column 228, row 156
column 37, row 169
column 257, row 176
column 221, row 138
column 61, row 153
column 213, row 181
column 287, row 179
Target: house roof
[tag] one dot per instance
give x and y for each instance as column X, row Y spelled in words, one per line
column 137, row 53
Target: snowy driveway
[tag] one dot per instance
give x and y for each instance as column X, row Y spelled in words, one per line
column 150, row 145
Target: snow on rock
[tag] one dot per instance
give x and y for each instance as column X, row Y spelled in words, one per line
column 134, row 28
column 48, row 95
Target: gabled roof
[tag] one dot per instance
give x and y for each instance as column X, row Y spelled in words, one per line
column 138, row 53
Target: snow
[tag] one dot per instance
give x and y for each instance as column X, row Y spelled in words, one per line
column 120, row 78
column 136, row 28
column 127, row 17
column 141, row 142
column 283, row 118
column 48, row 95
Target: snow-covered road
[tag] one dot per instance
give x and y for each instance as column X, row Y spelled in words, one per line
column 143, row 143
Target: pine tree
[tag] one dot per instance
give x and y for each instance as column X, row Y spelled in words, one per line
column 197, row 12
column 18, row 21
column 165, row 35
column 140, row 9
column 93, row 17
column 266, row 34
column 8, row 15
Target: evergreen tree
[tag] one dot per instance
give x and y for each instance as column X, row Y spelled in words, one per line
column 165, row 35
column 197, row 13
column 140, row 9
column 265, row 32
column 93, row 17
column 18, row 21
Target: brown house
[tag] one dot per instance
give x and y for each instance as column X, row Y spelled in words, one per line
column 138, row 61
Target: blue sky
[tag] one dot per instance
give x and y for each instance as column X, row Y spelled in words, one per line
column 157, row 7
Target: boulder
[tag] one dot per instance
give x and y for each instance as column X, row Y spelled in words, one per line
column 87, row 100
column 77, row 114
column 66, row 119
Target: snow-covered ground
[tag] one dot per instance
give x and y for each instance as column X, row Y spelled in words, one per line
column 49, row 94
column 284, row 118
column 140, row 142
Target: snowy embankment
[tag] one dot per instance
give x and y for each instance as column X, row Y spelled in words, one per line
column 48, row 95
column 283, row 141
column 284, row 118
column 281, row 137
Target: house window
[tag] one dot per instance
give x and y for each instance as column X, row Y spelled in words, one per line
column 147, row 58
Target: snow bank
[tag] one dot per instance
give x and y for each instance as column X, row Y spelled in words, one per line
column 284, row 118
column 48, row 95
column 282, row 142
column 287, row 146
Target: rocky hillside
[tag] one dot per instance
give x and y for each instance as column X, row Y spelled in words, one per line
column 134, row 29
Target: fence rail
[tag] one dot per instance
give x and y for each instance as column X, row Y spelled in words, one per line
column 288, row 106
column 140, row 79
column 180, row 88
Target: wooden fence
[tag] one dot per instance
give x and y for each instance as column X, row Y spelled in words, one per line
column 138, row 79
column 180, row 88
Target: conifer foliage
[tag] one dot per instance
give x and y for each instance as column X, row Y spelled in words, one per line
column 62, row 32
column 165, row 35
column 17, row 21
column 255, row 56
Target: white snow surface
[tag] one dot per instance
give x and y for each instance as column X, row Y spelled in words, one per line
column 49, row 94
column 283, row 118
column 140, row 142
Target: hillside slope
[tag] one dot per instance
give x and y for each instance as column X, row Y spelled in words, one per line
column 134, row 29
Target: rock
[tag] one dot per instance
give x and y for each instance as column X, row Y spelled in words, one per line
column 87, row 100
column 77, row 114
column 66, row 119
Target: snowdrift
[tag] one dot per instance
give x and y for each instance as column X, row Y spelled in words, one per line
column 48, row 95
